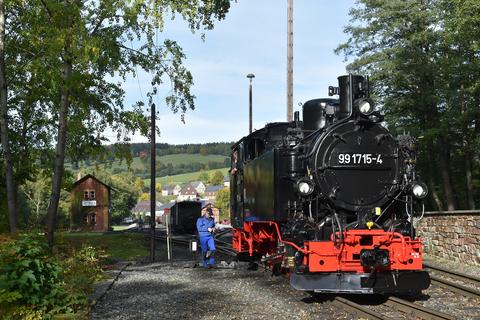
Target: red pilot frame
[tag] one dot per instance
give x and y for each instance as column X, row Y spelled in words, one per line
column 363, row 261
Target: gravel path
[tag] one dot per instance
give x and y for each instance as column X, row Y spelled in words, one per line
column 165, row 291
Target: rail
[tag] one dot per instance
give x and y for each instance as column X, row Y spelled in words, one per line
column 453, row 286
column 358, row 310
column 452, row 213
column 416, row 309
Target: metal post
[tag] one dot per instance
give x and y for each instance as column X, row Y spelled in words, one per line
column 152, row 184
column 290, row 61
column 250, row 76
column 169, row 232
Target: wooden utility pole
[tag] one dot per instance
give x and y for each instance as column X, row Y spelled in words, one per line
column 152, row 184
column 290, row 62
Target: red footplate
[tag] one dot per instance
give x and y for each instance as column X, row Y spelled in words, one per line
column 324, row 256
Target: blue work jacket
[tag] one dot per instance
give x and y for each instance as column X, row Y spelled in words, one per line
column 203, row 223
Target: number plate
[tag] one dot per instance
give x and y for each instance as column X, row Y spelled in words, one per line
column 359, row 158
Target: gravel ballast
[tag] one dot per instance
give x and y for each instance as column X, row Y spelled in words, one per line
column 171, row 291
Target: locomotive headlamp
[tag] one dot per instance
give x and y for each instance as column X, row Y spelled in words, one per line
column 305, row 187
column 365, row 106
column 419, row 190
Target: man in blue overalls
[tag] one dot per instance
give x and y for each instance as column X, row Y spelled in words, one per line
column 206, row 228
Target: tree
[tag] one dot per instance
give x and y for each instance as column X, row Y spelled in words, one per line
column 420, row 68
column 37, row 192
column 126, row 189
column 83, row 42
column 4, row 128
column 144, row 197
column 222, row 202
column 203, row 176
column 204, row 151
column 216, row 178
column 158, row 187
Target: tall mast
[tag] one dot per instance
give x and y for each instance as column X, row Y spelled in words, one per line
column 290, row 62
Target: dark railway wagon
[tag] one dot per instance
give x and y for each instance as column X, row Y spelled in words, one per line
column 184, row 216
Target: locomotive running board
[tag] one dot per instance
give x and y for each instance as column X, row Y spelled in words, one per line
column 383, row 283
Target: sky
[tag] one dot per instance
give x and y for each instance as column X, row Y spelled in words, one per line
column 252, row 39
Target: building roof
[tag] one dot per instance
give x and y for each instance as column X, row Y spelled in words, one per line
column 144, row 206
column 196, row 184
column 213, row 188
column 87, row 177
column 167, row 205
column 188, row 190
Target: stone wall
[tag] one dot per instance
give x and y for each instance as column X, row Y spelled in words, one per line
column 452, row 236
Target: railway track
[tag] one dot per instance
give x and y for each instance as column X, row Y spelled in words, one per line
column 416, row 309
column 346, row 303
column 451, row 285
column 357, row 309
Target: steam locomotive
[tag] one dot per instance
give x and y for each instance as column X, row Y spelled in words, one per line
column 330, row 200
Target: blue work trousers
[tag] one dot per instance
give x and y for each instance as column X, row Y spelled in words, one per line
column 208, row 244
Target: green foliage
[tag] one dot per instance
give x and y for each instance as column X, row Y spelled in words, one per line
column 203, row 176
column 183, row 178
column 114, row 247
column 216, row 178
column 422, row 59
column 126, row 188
column 36, row 285
column 168, row 164
column 82, row 268
column 63, row 63
column 37, row 191
column 222, row 201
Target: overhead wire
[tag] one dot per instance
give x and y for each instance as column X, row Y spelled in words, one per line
column 136, row 74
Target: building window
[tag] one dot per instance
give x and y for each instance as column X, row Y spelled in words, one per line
column 88, row 195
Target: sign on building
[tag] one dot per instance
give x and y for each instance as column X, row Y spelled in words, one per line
column 89, row 203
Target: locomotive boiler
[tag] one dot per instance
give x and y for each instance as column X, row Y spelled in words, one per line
column 330, row 200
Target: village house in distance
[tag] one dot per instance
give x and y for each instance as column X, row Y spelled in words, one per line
column 91, row 199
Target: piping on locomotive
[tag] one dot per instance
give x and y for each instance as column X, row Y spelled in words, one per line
column 330, row 200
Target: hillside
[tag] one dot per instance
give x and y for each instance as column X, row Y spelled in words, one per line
column 144, row 163
column 183, row 178
column 174, row 163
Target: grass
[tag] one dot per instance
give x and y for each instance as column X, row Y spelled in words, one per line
column 119, row 228
column 183, row 178
column 184, row 158
column 117, row 246
column 174, row 159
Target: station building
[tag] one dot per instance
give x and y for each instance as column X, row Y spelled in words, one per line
column 91, row 204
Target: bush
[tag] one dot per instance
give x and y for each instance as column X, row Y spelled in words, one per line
column 36, row 285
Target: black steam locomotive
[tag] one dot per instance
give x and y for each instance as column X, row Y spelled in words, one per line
column 330, row 199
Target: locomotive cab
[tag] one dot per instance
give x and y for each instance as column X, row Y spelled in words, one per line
column 331, row 199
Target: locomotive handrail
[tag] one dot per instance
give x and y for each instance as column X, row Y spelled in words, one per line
column 284, row 241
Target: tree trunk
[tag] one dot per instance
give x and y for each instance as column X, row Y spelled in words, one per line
column 444, row 159
column 432, row 177
column 7, row 157
column 469, row 181
column 60, row 154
